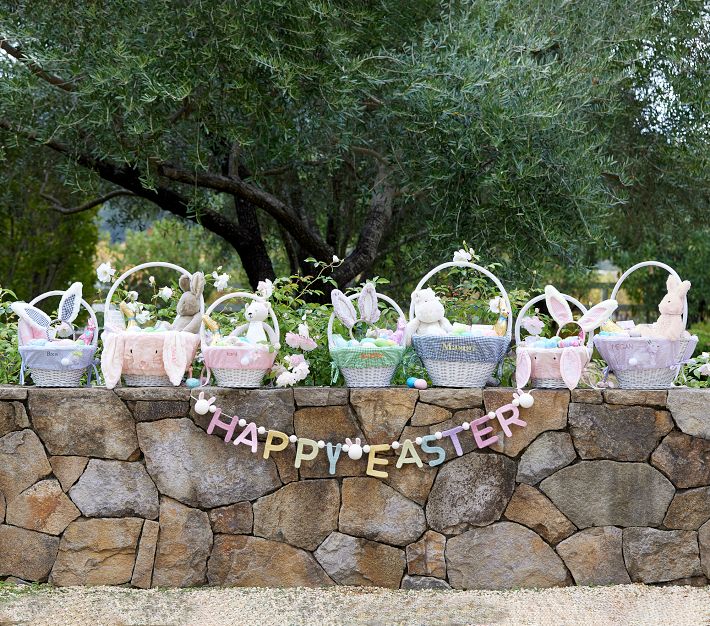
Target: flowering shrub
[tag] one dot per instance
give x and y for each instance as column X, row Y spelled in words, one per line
column 10, row 362
column 696, row 372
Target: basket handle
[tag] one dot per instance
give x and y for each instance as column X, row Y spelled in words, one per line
column 84, row 303
column 138, row 268
column 643, row 264
column 380, row 296
column 540, row 298
column 478, row 268
column 236, row 296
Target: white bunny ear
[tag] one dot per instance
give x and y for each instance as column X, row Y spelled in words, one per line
column 597, row 315
column 557, row 306
column 344, row 309
column 70, row 303
column 672, row 282
column 33, row 316
column 367, row 303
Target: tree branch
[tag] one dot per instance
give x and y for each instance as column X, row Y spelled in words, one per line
column 57, row 205
column 36, row 69
column 281, row 212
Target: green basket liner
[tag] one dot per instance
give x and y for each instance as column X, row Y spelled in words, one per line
column 361, row 356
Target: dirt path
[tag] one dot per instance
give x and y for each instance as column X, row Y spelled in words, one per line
column 626, row 605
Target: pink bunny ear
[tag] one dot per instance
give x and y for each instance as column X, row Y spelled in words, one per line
column 344, row 309
column 70, row 303
column 672, row 282
column 557, row 306
column 570, row 367
column 523, row 368
column 112, row 358
column 597, row 315
column 176, row 353
column 684, row 287
column 367, row 303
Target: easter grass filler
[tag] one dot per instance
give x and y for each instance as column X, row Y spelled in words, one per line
column 372, row 360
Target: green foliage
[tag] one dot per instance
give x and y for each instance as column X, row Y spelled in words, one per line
column 42, row 249
column 10, row 362
column 696, row 373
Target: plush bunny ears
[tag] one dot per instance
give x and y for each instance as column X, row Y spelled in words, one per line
column 68, row 310
column 194, row 283
column 366, row 302
column 675, row 284
column 560, row 311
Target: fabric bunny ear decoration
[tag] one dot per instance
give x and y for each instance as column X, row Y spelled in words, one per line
column 39, row 323
column 557, row 306
column 344, row 309
column 597, row 315
column 367, row 303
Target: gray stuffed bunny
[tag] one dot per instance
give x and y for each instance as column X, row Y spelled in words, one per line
column 188, row 308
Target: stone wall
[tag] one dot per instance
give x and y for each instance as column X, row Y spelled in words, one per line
column 125, row 487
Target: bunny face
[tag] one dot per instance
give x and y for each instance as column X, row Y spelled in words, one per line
column 257, row 311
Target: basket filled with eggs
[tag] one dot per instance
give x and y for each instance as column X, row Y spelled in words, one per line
column 157, row 355
column 369, row 361
column 242, row 357
column 559, row 361
column 53, row 351
column 649, row 356
column 458, row 354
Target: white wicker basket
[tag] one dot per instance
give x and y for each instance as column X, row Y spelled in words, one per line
column 236, row 376
column 369, row 376
column 137, row 379
column 42, row 377
column 458, row 371
column 650, row 377
column 555, row 382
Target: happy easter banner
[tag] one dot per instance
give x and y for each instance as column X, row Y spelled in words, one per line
column 240, row 432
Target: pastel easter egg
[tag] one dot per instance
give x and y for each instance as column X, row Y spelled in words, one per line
column 369, row 340
column 411, row 381
column 420, row 383
column 353, row 342
column 192, row 383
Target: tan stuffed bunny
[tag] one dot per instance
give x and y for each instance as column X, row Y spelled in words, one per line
column 188, row 308
column 670, row 323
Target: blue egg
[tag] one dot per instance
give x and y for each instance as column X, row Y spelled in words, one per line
column 411, row 381
column 192, row 383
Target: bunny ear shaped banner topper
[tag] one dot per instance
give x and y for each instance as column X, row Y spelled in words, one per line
column 70, row 303
column 557, row 306
column 367, row 303
column 344, row 309
column 598, row 314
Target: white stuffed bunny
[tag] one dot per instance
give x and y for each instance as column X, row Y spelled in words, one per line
column 670, row 323
column 257, row 330
column 429, row 315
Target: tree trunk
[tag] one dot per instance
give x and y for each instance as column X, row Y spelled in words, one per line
column 250, row 246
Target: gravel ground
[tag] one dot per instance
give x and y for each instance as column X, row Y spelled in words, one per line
column 626, row 605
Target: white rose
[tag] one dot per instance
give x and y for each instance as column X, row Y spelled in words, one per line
column 265, row 288
column 461, row 256
column 133, row 295
column 105, row 272
column 220, row 281
column 165, row 293
column 494, row 304
column 336, row 259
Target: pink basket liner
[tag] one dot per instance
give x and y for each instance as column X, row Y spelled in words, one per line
column 230, row 357
column 143, row 353
column 545, row 362
column 648, row 353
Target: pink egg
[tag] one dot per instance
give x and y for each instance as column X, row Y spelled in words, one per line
column 420, row 383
